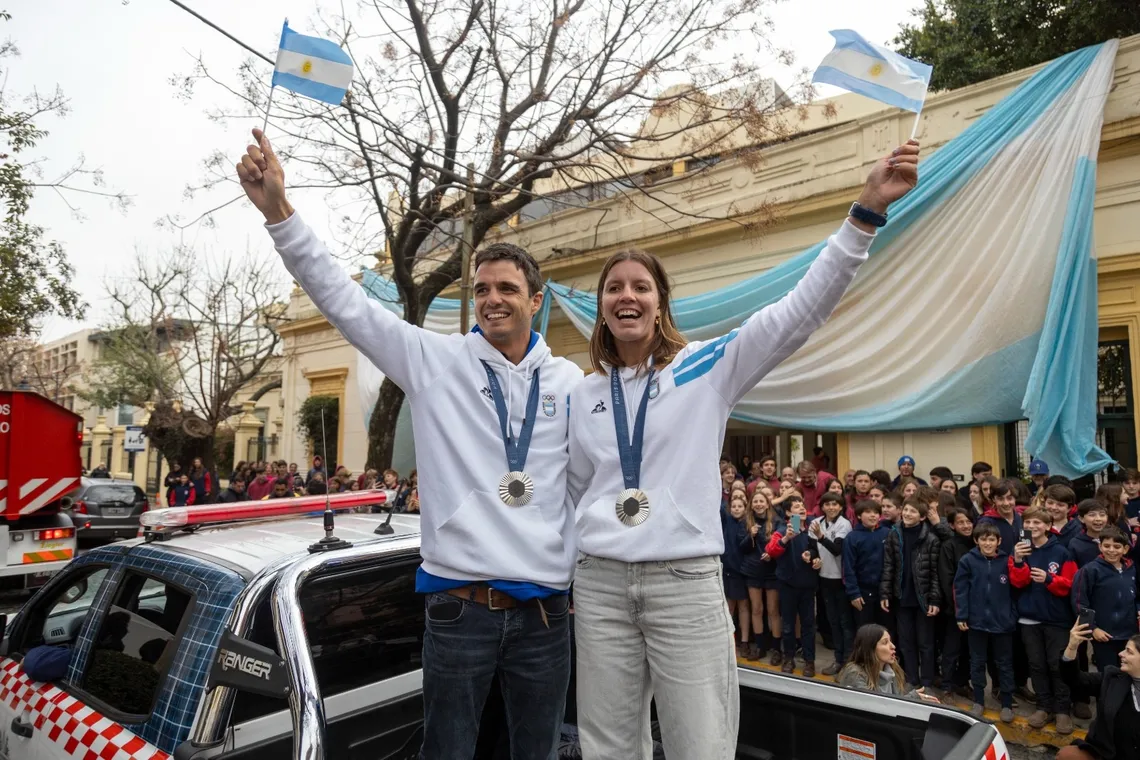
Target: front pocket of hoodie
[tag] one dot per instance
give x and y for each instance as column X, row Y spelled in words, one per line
column 487, row 538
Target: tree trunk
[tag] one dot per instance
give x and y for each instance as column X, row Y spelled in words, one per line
column 382, row 426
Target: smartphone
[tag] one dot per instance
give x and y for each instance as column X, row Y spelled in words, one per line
column 796, row 523
column 1087, row 617
column 1027, row 536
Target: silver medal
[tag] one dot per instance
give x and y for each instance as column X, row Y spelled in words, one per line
column 516, row 489
column 632, row 507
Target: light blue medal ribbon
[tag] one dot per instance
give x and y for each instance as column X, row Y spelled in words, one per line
column 632, row 504
column 516, row 489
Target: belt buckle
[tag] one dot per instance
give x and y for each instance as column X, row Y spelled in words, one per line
column 491, row 600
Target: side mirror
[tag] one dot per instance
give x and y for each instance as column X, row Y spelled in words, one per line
column 75, row 592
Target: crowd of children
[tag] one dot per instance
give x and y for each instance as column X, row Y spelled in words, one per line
column 984, row 577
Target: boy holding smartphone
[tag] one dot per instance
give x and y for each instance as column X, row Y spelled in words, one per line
column 797, row 569
column 1044, row 569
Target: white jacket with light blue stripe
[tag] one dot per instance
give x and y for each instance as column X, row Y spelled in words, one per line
column 686, row 418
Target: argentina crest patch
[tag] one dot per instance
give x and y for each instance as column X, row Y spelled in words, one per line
column 548, row 406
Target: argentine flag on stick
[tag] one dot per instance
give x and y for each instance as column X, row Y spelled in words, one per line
column 312, row 67
column 875, row 72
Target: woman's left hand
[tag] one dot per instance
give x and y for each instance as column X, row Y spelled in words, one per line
column 891, row 178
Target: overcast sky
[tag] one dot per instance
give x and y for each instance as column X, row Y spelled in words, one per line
column 114, row 60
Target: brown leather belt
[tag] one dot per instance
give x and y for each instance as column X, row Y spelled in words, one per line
column 493, row 599
column 486, row 596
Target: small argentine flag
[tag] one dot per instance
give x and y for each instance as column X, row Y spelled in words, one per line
column 312, row 67
column 872, row 70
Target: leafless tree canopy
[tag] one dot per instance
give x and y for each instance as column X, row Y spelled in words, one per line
column 567, row 103
column 189, row 328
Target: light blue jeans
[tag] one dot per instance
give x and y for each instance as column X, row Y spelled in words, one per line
column 655, row 630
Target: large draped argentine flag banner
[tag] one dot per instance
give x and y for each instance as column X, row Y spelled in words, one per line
column 978, row 303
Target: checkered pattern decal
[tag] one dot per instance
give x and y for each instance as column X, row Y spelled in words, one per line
column 79, row 730
column 215, row 589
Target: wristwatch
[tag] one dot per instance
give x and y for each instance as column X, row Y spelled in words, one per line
column 867, row 216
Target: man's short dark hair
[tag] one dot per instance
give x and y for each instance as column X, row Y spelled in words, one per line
column 516, row 255
column 980, row 467
column 945, row 473
column 1058, row 480
column 882, row 477
column 867, row 505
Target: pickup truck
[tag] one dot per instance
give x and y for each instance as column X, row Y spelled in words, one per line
column 252, row 631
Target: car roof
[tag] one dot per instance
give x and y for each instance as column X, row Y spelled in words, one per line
column 251, row 545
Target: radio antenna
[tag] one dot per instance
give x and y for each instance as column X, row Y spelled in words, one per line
column 329, row 542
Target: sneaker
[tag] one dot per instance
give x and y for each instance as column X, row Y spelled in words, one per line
column 1082, row 710
column 830, row 670
column 977, row 710
column 1007, row 715
column 742, row 651
column 789, row 665
column 776, row 658
column 809, row 669
column 1039, row 718
column 1064, row 724
column 755, row 653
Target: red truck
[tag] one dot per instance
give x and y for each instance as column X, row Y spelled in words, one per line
column 39, row 465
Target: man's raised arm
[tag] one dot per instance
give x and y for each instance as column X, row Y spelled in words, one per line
column 407, row 354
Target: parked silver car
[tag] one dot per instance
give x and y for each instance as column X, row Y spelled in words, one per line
column 106, row 510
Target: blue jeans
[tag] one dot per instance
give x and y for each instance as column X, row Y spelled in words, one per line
column 798, row 601
column 465, row 645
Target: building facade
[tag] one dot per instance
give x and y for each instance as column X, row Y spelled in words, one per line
column 805, row 183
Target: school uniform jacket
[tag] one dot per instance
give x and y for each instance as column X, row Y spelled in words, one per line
column 1111, row 594
column 790, row 566
column 1084, row 548
column 689, row 404
column 1046, row 602
column 1010, row 532
column 982, row 595
column 863, row 560
column 737, row 543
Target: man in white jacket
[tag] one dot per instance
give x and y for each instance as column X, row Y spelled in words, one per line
column 490, row 415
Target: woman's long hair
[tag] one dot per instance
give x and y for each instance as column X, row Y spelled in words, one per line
column 865, row 659
column 667, row 339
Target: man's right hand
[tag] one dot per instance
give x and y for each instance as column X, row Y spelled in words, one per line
column 857, row 603
column 263, row 180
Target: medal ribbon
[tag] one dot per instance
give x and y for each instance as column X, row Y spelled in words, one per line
column 629, row 451
column 516, row 449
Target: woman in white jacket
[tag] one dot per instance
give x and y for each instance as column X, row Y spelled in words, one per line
column 646, row 430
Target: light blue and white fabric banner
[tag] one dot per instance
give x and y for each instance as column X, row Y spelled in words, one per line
column 312, row 67
column 978, row 303
column 874, row 71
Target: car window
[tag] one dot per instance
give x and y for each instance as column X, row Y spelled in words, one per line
column 63, row 614
column 135, row 644
column 100, row 494
column 362, row 628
